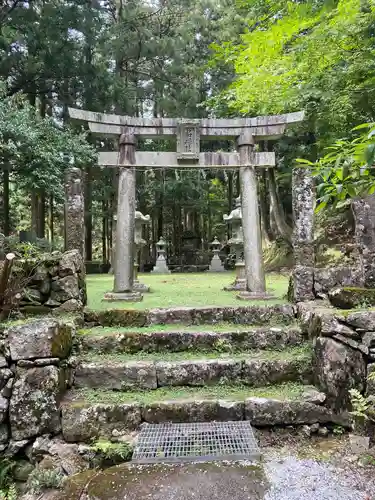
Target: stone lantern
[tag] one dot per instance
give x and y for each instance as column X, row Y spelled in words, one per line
column 234, row 219
column 140, row 220
column 216, row 265
column 161, row 262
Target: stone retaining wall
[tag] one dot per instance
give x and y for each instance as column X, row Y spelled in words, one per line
column 54, row 283
column 344, row 349
column 324, row 280
column 33, row 378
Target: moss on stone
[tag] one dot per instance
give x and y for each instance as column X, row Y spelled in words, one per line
column 83, row 398
column 113, row 317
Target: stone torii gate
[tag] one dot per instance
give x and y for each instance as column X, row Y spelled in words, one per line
column 189, row 133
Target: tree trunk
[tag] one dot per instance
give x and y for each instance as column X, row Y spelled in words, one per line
column 51, row 219
column 264, row 206
column 284, row 230
column 104, row 231
column 38, row 213
column 6, row 221
column 88, row 213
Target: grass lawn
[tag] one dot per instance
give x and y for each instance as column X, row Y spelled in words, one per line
column 184, row 290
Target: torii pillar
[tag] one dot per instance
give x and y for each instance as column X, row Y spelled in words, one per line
column 252, row 237
column 124, row 255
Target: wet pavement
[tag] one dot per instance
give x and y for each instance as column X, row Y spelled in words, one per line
column 281, row 475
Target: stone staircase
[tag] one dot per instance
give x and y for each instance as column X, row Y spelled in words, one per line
column 190, row 365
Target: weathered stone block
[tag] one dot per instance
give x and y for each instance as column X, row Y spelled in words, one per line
column 193, row 411
column 116, row 375
column 301, row 284
column 81, row 423
column 370, row 389
column 70, row 263
column 198, row 373
column 262, row 372
column 338, row 368
column 327, row 278
column 352, row 297
column 70, row 306
column 269, row 412
column 364, row 217
column 45, row 338
column 116, row 317
column 65, row 289
column 364, row 320
column 34, row 406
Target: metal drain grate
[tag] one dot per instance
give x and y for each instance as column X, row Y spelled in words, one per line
column 211, row 441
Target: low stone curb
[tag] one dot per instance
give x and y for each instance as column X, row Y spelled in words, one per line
column 84, row 422
column 143, row 375
column 133, row 342
column 250, row 315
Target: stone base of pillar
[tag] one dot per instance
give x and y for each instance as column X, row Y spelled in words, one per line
column 140, row 287
column 123, row 297
column 240, row 281
column 255, row 296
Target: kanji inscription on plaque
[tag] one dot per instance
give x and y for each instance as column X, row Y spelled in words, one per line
column 188, row 140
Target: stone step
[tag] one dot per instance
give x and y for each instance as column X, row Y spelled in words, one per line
column 222, row 338
column 250, row 315
column 150, row 371
column 92, row 414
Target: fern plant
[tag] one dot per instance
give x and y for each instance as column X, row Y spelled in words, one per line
column 10, row 493
column 363, row 408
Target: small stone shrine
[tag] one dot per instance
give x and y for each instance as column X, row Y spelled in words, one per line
column 216, row 265
column 161, row 262
column 234, row 219
column 140, row 221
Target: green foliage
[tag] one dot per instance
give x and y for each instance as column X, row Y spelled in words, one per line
column 44, row 479
column 9, row 494
column 113, row 453
column 363, row 407
column 6, row 470
column 345, row 171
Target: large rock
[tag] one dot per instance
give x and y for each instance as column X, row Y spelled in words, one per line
column 65, row 289
column 370, row 390
column 352, row 297
column 327, row 278
column 71, row 263
column 34, row 406
column 45, row 338
column 301, row 284
column 269, row 412
column 362, row 320
column 116, row 375
column 82, row 423
column 193, row 411
column 338, row 368
column 261, row 372
column 199, row 373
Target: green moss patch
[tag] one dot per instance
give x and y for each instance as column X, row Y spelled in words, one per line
column 239, row 392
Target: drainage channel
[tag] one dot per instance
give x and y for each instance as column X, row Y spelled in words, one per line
column 196, row 442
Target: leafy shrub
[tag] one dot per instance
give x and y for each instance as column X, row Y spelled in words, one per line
column 44, row 479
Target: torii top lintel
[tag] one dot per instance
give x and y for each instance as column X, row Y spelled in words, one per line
column 261, row 127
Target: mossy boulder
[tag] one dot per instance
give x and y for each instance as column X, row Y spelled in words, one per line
column 352, row 297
